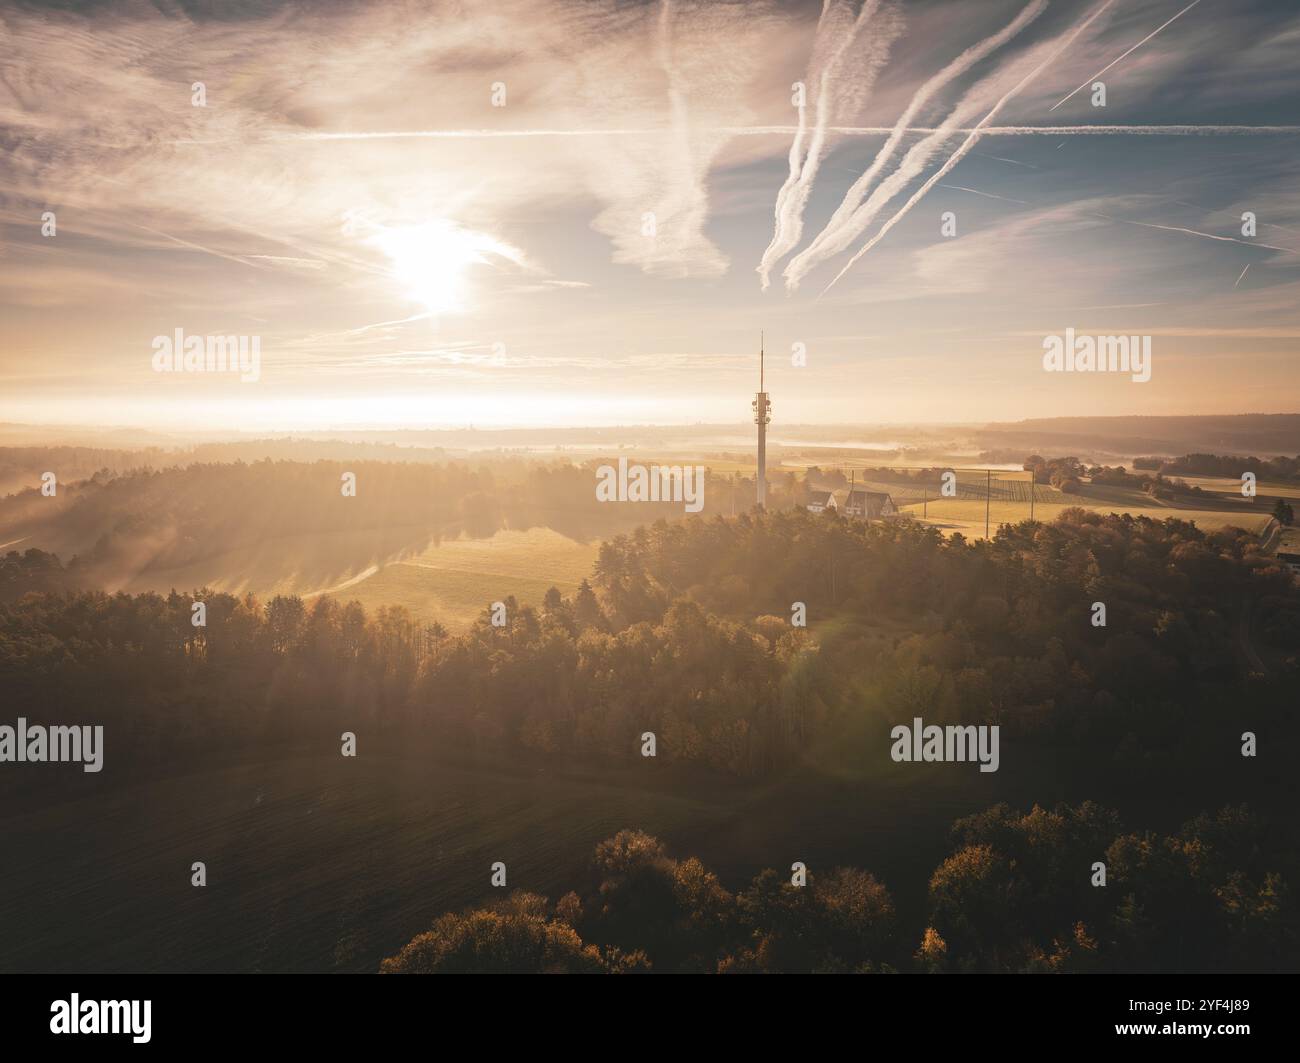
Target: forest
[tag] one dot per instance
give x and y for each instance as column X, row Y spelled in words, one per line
column 688, row 630
column 1278, row 468
column 685, row 629
column 1009, row 898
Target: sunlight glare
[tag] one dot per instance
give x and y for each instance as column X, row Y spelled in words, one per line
column 430, row 261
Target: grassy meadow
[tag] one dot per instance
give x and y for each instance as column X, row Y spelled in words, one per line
column 456, row 580
column 1009, row 504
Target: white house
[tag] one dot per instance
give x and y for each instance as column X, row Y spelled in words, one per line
column 868, row 505
column 820, row 501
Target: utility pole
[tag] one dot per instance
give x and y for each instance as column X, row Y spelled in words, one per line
column 988, row 498
column 1033, row 481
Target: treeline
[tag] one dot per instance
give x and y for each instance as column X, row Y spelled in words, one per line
column 1019, row 893
column 1067, row 475
column 21, row 468
column 685, row 629
column 34, row 572
column 1156, row 476
column 834, row 478
column 1279, row 468
column 1062, row 473
column 1156, row 486
column 557, row 682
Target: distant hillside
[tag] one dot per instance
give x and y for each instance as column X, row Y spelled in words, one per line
column 1249, row 433
column 242, row 526
column 22, row 467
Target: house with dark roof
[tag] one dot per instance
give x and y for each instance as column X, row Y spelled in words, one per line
column 820, row 501
column 868, row 505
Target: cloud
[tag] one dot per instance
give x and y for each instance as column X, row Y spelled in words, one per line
column 617, row 112
column 98, row 114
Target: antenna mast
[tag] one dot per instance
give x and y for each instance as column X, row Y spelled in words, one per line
column 762, row 417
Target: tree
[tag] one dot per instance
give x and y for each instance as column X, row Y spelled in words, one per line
column 496, row 942
column 586, row 610
column 1283, row 512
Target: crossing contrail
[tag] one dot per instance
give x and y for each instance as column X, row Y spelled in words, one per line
column 849, row 220
column 796, row 164
column 1145, row 225
column 1129, row 52
column 794, row 194
column 968, row 143
column 1197, row 232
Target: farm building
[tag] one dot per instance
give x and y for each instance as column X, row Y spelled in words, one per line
column 1290, row 559
column 820, row 501
column 868, row 505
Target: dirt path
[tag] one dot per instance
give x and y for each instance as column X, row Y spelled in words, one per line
column 345, row 584
column 1272, row 536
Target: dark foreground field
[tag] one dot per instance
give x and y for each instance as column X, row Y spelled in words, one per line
column 318, row 863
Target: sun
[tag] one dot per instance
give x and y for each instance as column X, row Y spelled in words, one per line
column 430, row 261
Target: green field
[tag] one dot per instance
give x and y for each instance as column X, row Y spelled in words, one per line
column 1232, row 488
column 285, row 565
column 451, row 582
column 967, row 514
column 456, row 580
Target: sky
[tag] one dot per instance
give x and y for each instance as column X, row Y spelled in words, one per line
column 530, row 212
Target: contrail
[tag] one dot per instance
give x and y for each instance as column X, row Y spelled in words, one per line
column 1196, row 232
column 999, row 158
column 796, row 156
column 848, row 222
column 803, row 165
column 967, row 144
column 1129, row 52
column 794, row 195
column 989, row 195
column 1243, row 273
column 784, row 131
column 199, row 247
column 1145, row 225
